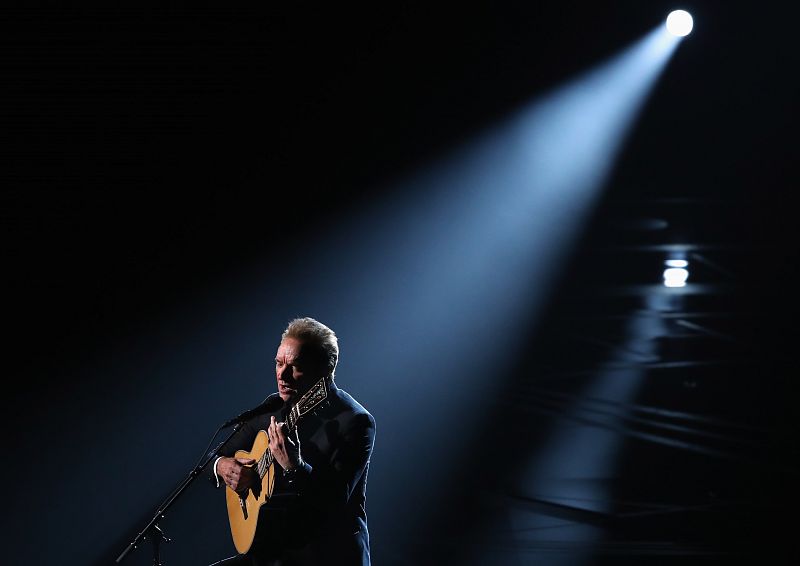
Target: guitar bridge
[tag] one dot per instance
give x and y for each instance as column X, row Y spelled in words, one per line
column 243, row 505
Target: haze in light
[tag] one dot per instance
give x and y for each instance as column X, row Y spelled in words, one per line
column 427, row 285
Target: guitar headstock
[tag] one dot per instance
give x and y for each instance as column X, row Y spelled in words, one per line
column 313, row 397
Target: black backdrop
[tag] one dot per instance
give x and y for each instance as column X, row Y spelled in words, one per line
column 148, row 152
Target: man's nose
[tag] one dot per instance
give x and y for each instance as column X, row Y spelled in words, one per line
column 285, row 373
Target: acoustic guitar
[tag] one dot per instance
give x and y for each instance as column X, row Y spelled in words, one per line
column 243, row 510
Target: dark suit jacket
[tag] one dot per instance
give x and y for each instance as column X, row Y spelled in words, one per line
column 319, row 517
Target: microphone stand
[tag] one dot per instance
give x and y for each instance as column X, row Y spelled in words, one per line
column 152, row 529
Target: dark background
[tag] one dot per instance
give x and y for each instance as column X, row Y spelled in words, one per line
column 149, row 154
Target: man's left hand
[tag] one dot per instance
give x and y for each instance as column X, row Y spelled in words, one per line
column 284, row 447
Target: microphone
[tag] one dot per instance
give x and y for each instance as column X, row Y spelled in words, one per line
column 269, row 405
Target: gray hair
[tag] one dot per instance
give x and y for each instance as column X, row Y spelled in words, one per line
column 317, row 335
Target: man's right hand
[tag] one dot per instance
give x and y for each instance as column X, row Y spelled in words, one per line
column 237, row 474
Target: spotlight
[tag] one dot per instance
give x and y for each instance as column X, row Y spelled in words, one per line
column 676, row 263
column 675, row 277
column 680, row 23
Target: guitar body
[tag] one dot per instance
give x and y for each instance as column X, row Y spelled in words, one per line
column 243, row 512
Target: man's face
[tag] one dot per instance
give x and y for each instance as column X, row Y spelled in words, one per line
column 296, row 371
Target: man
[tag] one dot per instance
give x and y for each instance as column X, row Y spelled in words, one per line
column 317, row 513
